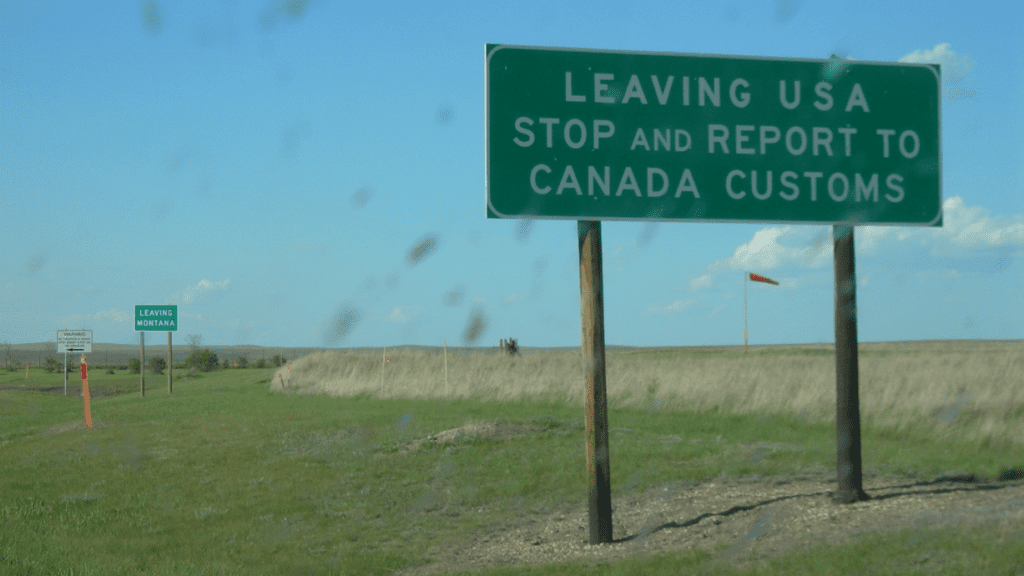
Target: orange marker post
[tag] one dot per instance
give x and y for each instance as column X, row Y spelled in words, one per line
column 85, row 393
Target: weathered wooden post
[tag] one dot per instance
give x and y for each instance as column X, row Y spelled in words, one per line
column 596, row 400
column 848, row 459
column 142, row 362
column 170, row 362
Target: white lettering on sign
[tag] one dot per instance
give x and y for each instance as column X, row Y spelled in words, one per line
column 662, row 140
column 600, row 88
column 639, row 179
column 865, row 187
column 709, row 91
column 574, row 134
column 155, row 323
column 906, row 135
column 796, row 140
column 656, row 184
column 569, row 96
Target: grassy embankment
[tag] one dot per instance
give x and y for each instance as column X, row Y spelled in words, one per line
column 228, row 477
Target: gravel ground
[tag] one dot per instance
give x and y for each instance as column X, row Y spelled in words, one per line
column 755, row 519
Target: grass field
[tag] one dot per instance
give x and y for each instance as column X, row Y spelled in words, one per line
column 228, row 475
column 947, row 388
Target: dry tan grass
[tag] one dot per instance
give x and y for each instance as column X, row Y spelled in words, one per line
column 979, row 385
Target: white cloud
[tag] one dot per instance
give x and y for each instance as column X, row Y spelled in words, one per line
column 78, row 322
column 788, row 283
column 238, row 324
column 402, row 315
column 618, row 259
column 773, row 247
column 673, row 308
column 956, row 69
column 770, row 248
column 701, row 282
column 115, row 315
column 511, row 298
column 763, row 251
column 963, row 227
column 868, row 238
column 716, row 311
column 972, row 227
column 966, row 230
column 193, row 293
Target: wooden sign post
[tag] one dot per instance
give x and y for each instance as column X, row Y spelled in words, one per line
column 599, row 495
column 848, row 461
column 142, row 363
column 170, row 363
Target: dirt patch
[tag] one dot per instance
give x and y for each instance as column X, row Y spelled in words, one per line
column 73, row 390
column 747, row 520
column 71, row 427
column 471, row 432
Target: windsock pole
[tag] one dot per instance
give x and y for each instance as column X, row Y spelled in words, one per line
column 745, row 276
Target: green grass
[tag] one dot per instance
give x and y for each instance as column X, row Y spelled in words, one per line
column 225, row 476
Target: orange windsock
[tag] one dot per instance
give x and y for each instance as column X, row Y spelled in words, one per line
column 759, row 278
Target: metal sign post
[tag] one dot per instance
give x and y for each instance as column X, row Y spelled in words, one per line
column 73, row 341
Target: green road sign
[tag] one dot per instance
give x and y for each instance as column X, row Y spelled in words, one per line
column 156, row 318
column 610, row 135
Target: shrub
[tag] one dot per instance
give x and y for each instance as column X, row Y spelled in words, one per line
column 157, row 364
column 261, row 363
column 134, row 365
column 9, row 360
column 51, row 364
column 242, row 362
column 202, row 360
column 279, row 360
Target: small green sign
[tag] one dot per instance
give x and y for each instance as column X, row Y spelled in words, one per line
column 156, row 318
column 612, row 135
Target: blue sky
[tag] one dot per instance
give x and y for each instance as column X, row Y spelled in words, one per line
column 269, row 167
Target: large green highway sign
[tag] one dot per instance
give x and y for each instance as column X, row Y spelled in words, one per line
column 156, row 318
column 609, row 135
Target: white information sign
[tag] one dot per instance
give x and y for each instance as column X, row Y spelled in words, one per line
column 74, row 341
